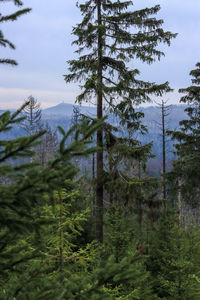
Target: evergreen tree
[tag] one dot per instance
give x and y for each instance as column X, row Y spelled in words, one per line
column 173, row 256
column 12, row 17
column 186, row 169
column 40, row 253
column 106, row 41
column 28, row 186
column 125, row 179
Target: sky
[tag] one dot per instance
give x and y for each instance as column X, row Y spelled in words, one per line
column 43, row 46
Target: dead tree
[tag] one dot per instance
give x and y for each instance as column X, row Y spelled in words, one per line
column 33, row 114
column 165, row 111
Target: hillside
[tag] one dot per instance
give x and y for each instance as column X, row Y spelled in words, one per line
column 61, row 114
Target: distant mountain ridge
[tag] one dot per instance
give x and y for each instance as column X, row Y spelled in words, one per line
column 151, row 112
column 66, row 109
column 61, row 114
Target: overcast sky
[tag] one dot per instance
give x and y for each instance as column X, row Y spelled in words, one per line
column 43, row 46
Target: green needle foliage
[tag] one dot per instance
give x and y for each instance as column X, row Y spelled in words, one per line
column 173, row 259
column 125, row 35
column 40, row 252
column 109, row 37
column 40, row 256
column 125, row 181
column 186, row 169
column 11, row 17
column 26, row 187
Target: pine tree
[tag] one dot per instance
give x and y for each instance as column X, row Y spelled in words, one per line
column 186, row 169
column 12, row 17
column 106, row 41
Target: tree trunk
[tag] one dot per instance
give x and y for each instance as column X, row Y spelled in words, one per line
column 61, row 237
column 94, row 188
column 99, row 186
column 164, row 149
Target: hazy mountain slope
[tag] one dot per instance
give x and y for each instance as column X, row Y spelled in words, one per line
column 66, row 110
column 61, row 114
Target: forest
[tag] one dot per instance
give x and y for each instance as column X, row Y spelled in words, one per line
column 81, row 216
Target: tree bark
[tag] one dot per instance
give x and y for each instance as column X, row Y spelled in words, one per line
column 94, row 187
column 61, row 237
column 99, row 186
column 164, row 149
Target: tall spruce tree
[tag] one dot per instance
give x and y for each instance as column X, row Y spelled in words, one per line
column 11, row 17
column 110, row 35
column 186, row 169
